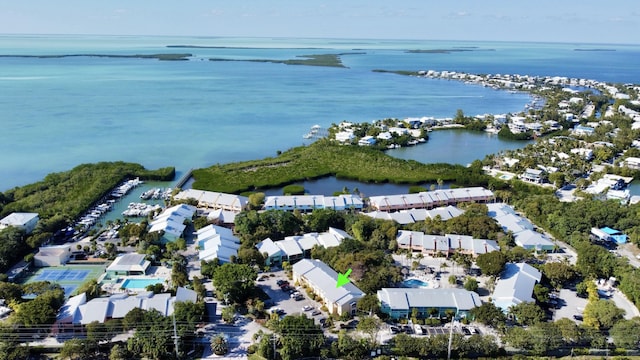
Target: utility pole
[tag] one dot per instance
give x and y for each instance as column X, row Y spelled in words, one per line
column 175, row 334
column 274, row 346
column 450, row 340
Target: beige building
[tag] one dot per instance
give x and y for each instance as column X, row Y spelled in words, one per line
column 322, row 279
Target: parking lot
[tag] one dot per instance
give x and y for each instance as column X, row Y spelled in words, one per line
column 282, row 299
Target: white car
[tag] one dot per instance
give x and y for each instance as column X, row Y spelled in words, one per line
column 307, row 308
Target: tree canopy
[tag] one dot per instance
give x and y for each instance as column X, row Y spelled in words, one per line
column 235, row 281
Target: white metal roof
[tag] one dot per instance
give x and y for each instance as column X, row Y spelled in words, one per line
column 325, row 278
column 129, row 262
column 406, row 298
column 268, row 246
column 515, row 285
column 18, row 218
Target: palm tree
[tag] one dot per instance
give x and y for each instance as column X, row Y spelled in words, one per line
column 219, row 344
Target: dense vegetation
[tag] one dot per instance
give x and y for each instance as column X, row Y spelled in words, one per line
column 59, row 199
column 331, row 60
column 70, row 193
column 324, row 158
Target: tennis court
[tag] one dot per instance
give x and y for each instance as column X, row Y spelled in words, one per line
column 55, row 275
column 68, row 277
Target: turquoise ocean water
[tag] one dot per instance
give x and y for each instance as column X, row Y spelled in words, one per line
column 56, row 113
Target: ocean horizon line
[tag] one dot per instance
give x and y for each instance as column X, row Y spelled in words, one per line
column 317, row 38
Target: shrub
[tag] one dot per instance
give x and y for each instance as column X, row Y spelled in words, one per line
column 293, row 190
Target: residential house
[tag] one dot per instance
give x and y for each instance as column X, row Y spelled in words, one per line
column 609, row 234
column 345, row 136
column 367, row 141
column 583, row 130
column 322, row 280
column 632, row 163
column 533, row 175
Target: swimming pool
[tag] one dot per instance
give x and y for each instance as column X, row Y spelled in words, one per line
column 140, row 283
column 415, row 283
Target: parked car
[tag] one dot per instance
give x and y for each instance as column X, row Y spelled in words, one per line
column 316, row 312
column 578, row 317
column 307, row 308
column 394, row 330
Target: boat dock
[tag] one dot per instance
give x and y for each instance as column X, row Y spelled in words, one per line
column 183, row 180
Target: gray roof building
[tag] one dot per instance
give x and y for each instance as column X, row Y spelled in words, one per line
column 400, row 302
column 77, row 310
column 515, row 285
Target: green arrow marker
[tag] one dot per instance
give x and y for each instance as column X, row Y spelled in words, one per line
column 343, row 279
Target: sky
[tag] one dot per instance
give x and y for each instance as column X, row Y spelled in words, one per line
column 580, row 21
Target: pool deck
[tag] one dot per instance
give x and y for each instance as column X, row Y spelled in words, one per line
column 154, row 272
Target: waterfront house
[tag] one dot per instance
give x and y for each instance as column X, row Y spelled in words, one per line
column 399, row 303
column 345, row 136
column 214, row 200
column 632, row 163
column 322, row 280
column 515, row 285
column 430, row 199
column 22, row 220
column 385, row 135
column 127, row 265
column 533, row 175
column 367, row 141
column 307, row 203
column 52, row 255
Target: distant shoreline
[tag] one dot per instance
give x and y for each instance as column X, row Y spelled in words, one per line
column 164, row 57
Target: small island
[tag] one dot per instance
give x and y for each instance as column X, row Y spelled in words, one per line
column 330, row 60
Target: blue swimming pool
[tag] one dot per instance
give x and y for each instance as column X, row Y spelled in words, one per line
column 415, row 283
column 140, row 283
